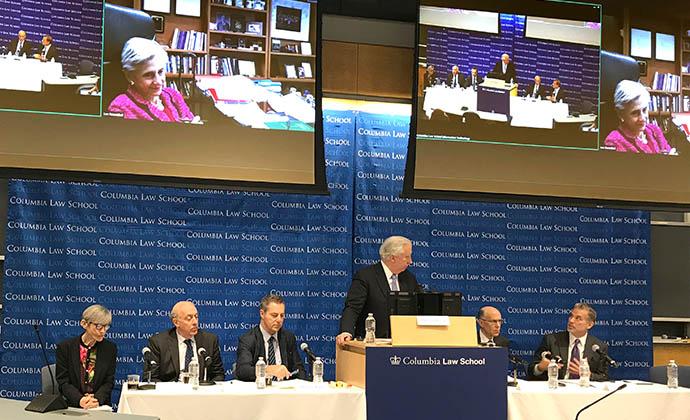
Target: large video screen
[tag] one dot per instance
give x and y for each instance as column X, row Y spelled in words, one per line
column 538, row 109
column 225, row 94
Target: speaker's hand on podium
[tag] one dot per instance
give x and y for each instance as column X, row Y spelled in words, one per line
column 342, row 338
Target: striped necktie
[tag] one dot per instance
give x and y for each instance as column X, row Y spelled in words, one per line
column 271, row 351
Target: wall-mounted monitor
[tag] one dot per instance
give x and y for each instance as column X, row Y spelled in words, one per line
column 530, row 113
column 100, row 98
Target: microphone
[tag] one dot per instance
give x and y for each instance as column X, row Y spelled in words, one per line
column 596, row 349
column 605, row 396
column 44, row 403
column 546, row 355
column 203, row 354
column 149, row 366
column 148, row 355
column 305, row 348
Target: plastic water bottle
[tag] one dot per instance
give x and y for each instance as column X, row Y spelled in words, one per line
column 317, row 371
column 193, row 370
column 553, row 374
column 672, row 374
column 260, row 371
column 370, row 326
column 584, row 372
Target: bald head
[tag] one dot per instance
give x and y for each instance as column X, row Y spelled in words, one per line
column 490, row 321
column 185, row 318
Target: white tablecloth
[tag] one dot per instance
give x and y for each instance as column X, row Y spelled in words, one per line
column 534, row 401
column 26, row 73
column 524, row 112
column 288, row 400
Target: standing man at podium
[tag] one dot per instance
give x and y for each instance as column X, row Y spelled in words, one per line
column 490, row 322
column 371, row 286
column 504, row 69
column 20, row 45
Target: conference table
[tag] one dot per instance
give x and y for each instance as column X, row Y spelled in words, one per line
column 287, row 400
column 27, row 74
column 638, row 401
column 524, row 112
column 14, row 410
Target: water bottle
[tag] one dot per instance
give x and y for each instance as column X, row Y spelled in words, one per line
column 370, row 326
column 584, row 372
column 553, row 374
column 672, row 374
column 193, row 370
column 317, row 371
column 260, row 371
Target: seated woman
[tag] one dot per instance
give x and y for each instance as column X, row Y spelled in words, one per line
column 147, row 98
column 85, row 365
column 635, row 133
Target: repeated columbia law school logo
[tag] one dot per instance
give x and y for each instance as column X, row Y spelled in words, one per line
column 137, row 250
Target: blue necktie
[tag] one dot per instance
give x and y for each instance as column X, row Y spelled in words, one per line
column 395, row 287
column 271, row 351
column 189, row 354
column 575, row 355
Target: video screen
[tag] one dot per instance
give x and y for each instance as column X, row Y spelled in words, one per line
column 225, row 93
column 537, row 99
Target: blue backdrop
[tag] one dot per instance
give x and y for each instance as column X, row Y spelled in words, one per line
column 138, row 250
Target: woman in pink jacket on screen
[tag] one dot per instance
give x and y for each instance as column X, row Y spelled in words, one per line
column 635, row 134
column 147, row 97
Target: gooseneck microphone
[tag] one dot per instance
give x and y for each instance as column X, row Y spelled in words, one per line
column 305, row 348
column 203, row 354
column 149, row 365
column 596, row 349
column 605, row 396
column 44, row 403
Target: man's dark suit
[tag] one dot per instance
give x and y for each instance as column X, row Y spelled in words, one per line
column 68, row 371
column 499, row 340
column 541, row 91
column 369, row 293
column 497, row 72
column 468, row 81
column 26, row 47
column 52, row 52
column 166, row 354
column 558, row 344
column 461, row 80
column 561, row 95
column 251, row 347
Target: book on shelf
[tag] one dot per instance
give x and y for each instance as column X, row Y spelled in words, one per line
column 666, row 81
column 186, row 64
column 188, row 40
column 230, row 66
column 185, row 87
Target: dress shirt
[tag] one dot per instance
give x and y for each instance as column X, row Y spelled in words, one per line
column 276, row 347
column 581, row 346
column 389, row 274
column 182, row 346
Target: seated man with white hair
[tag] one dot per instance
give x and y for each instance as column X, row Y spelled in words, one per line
column 370, row 289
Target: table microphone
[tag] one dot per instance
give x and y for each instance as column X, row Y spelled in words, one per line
column 207, row 361
column 149, row 366
column 605, row 396
column 44, row 403
column 596, row 349
column 305, row 348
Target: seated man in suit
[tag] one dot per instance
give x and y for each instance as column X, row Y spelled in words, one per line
column 557, row 94
column 474, row 79
column 371, row 286
column 174, row 349
column 490, row 321
column 19, row 46
column 536, row 90
column 271, row 341
column 571, row 346
column 455, row 79
column 49, row 51
column 504, row 69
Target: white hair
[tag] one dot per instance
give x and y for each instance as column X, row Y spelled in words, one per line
column 140, row 50
column 628, row 91
column 97, row 314
column 392, row 246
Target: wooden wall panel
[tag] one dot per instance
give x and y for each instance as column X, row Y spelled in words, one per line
column 385, row 71
column 339, row 61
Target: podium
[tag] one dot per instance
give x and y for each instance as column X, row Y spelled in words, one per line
column 434, row 380
column 493, row 95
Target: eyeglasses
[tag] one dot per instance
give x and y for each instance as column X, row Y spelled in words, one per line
column 493, row 321
column 100, row 327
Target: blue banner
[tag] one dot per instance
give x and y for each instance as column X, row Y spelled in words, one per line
column 138, row 250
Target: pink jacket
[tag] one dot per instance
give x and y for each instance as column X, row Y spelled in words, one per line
column 134, row 107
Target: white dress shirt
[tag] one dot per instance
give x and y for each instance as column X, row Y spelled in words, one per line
column 182, row 346
column 571, row 344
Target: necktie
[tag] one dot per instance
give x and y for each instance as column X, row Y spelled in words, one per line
column 271, row 351
column 19, row 47
column 395, row 287
column 490, row 343
column 575, row 356
column 189, row 354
